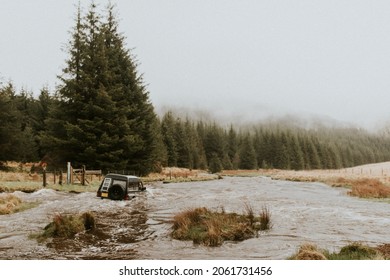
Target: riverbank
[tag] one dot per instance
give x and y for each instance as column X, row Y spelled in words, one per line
column 366, row 181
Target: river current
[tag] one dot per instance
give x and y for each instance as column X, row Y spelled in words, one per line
column 140, row 228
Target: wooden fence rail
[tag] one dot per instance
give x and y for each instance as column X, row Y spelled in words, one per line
column 76, row 176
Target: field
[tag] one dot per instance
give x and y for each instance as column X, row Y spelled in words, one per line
column 365, row 181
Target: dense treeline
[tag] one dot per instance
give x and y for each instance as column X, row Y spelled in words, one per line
column 101, row 116
column 268, row 145
column 201, row 144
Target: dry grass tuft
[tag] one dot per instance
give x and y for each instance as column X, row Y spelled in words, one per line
column 369, row 188
column 265, row 219
column 356, row 251
column 9, row 204
column 212, row 228
column 67, row 226
column 352, row 251
column 309, row 252
column 384, row 250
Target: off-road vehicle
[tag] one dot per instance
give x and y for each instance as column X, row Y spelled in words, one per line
column 120, row 187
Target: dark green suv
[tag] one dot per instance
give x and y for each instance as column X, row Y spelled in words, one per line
column 120, row 187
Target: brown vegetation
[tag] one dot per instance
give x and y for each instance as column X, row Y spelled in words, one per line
column 369, row 188
column 67, row 226
column 265, row 219
column 352, row 251
column 175, row 175
column 384, row 250
column 10, row 203
column 212, row 228
column 309, row 252
column 368, row 181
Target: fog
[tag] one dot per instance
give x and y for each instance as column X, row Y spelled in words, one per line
column 243, row 60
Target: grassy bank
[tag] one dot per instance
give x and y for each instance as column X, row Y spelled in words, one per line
column 212, row 228
column 360, row 185
column 28, row 187
column 372, row 181
column 10, row 204
column 352, row 251
column 371, row 188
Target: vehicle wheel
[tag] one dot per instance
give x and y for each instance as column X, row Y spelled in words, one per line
column 116, row 192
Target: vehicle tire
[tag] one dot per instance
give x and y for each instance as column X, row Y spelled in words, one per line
column 116, row 192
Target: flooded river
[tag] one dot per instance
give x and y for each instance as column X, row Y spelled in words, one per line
column 139, row 228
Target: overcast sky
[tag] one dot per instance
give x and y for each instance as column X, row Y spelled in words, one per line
column 329, row 58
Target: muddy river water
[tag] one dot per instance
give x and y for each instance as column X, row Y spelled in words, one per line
column 139, row 228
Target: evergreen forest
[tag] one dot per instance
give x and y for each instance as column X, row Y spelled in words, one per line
column 101, row 116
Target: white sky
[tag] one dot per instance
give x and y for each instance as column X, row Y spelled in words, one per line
column 256, row 58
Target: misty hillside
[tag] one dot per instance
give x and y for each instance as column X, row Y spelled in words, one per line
column 199, row 142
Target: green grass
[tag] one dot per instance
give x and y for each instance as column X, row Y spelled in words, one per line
column 19, row 186
column 355, row 251
column 29, row 187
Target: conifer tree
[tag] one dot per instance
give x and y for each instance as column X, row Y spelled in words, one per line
column 296, row 154
column 9, row 128
column 232, row 149
column 168, row 135
column 103, row 117
column 247, row 154
column 214, row 143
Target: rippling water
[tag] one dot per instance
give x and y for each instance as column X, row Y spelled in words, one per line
column 139, row 228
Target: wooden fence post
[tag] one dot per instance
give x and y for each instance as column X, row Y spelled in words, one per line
column 68, row 173
column 60, row 178
column 83, row 176
column 44, row 178
column 71, row 174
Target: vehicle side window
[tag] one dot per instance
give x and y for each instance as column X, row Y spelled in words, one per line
column 120, row 183
column 133, row 186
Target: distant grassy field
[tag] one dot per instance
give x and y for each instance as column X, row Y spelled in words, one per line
column 367, row 181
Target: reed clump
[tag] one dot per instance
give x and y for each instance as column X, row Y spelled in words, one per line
column 67, row 226
column 212, row 228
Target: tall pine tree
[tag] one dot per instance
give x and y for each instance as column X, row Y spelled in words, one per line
column 103, row 117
